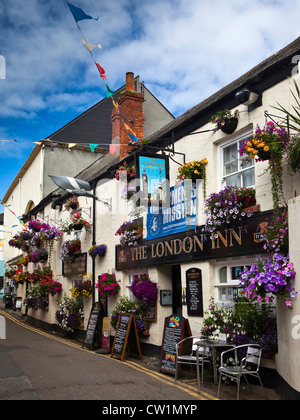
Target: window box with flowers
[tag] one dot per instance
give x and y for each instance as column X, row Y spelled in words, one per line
column 228, row 206
column 225, row 121
column 108, row 285
column 98, row 250
column 130, row 232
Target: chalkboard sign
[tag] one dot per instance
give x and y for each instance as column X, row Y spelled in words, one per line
column 194, row 292
column 126, row 338
column 176, row 328
column 151, row 315
column 92, row 325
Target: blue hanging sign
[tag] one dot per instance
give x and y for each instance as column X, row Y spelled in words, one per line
column 180, row 216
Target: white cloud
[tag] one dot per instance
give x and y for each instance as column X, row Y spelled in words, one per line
column 184, row 50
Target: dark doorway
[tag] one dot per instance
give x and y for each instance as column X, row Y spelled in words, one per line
column 176, row 290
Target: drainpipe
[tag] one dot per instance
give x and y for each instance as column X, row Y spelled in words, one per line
column 94, row 241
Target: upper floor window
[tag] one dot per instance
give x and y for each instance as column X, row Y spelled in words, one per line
column 237, row 171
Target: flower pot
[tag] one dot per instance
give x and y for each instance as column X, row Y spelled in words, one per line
column 79, row 226
column 252, row 209
column 230, row 125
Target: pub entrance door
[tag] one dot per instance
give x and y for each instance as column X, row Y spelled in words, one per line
column 176, row 290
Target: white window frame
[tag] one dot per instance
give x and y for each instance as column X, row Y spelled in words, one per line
column 231, row 283
column 242, row 136
column 130, row 277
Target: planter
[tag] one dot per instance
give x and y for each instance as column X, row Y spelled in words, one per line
column 252, row 209
column 230, row 126
column 78, row 227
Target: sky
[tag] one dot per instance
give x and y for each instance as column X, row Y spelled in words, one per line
column 183, row 51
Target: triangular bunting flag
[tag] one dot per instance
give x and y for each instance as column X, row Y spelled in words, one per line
column 129, row 129
column 93, row 147
column 70, row 145
column 116, row 105
column 90, row 47
column 101, row 71
column 78, row 13
column 109, row 91
column 113, row 148
column 135, row 139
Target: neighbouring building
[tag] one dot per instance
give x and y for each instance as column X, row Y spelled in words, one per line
column 172, row 255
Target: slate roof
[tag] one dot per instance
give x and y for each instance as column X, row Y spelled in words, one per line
column 94, row 125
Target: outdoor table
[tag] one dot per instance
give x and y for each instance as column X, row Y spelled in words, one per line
column 211, row 344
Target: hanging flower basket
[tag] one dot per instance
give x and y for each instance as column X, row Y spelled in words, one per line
column 108, row 284
column 127, row 171
column 69, row 250
column 227, row 207
column 81, row 289
column 98, row 250
column 70, row 314
column 225, row 121
column 230, row 125
column 144, row 289
column 270, row 276
column 72, row 203
column 130, row 232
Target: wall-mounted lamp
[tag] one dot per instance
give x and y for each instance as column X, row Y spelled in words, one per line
column 248, row 97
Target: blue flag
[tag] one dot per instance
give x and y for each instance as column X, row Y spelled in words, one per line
column 79, row 13
column 133, row 138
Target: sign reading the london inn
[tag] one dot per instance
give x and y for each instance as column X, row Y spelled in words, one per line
column 195, row 245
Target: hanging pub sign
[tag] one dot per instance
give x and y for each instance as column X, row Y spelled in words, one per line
column 77, row 268
column 152, row 176
column 178, row 217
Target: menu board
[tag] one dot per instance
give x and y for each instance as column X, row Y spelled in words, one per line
column 126, row 338
column 176, row 329
column 194, row 292
column 151, row 315
column 92, row 325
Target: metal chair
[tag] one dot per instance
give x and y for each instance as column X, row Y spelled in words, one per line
column 247, row 366
column 190, row 358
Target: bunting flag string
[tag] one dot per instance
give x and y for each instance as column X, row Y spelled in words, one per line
column 18, row 217
column 78, row 15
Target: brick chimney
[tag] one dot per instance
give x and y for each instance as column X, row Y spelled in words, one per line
column 130, row 112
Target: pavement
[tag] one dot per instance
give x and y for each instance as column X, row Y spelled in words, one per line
column 149, row 365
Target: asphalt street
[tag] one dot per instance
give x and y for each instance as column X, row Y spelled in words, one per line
column 35, row 365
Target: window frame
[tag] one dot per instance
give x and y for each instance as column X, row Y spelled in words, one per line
column 227, row 143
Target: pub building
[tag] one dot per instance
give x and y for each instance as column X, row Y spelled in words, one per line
column 190, row 263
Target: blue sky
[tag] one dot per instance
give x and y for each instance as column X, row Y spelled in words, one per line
column 183, row 50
